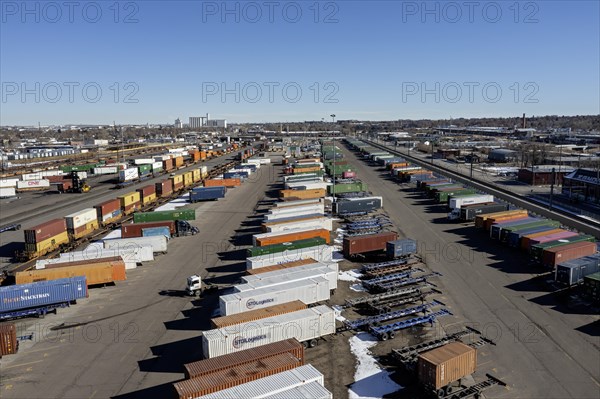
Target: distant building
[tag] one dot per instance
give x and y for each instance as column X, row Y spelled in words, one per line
column 502, row 155
column 98, row 142
column 542, row 175
column 216, row 123
column 196, row 122
column 582, row 185
column 178, row 124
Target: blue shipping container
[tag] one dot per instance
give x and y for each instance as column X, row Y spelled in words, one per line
column 496, row 229
column 514, row 237
column 43, row 293
column 235, row 175
column 157, row 231
column 400, row 248
column 207, row 193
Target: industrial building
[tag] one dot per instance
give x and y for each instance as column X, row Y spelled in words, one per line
column 582, row 185
column 542, row 174
column 502, row 155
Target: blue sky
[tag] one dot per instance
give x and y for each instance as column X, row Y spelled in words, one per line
column 154, row 61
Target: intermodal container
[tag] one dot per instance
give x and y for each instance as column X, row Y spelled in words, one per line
column 347, row 188
column 328, row 271
column 572, row 272
column 367, row 204
column 24, row 296
column 281, row 266
column 553, row 256
column 158, row 243
column 47, row 245
column 82, row 223
column 537, row 251
column 293, row 210
column 246, row 356
column 108, row 211
column 496, row 228
column 128, row 174
column 525, row 239
column 367, row 243
column 223, row 182
column 188, row 179
column 178, row 161
column 285, row 246
column 147, row 194
column 8, row 339
column 348, row 175
column 560, row 235
column 294, row 236
column 44, row 231
column 177, row 182
column 168, row 164
column 442, row 366
column 322, row 253
column 157, row 167
column 304, row 325
column 499, row 219
column 401, row 248
column 135, row 229
column 96, row 271
column 317, row 222
column 145, row 169
column 257, row 314
column 523, row 227
column 33, row 185
column 305, row 202
column 164, row 188
column 514, row 238
column 156, row 231
column 591, row 287
column 207, row 193
column 442, row 196
column 470, row 212
column 290, row 195
column 196, row 175
column 158, row 216
column 480, row 220
column 130, row 202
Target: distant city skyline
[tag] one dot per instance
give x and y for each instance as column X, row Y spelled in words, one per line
column 153, row 62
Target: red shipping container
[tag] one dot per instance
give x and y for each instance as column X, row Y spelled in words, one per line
column 553, row 256
column 168, row 164
column 55, row 179
column 146, row 191
column 131, row 208
column 135, row 229
column 45, row 230
column 367, row 243
column 164, row 188
column 107, row 207
column 64, row 185
column 8, row 339
column 223, row 182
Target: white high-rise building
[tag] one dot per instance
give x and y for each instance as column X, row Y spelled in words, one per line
column 178, row 124
column 196, row 122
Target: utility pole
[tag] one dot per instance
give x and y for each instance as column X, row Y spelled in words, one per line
column 472, row 152
column 552, row 186
column 333, row 141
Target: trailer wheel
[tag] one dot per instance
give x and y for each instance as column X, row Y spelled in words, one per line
column 392, row 335
column 313, row 343
column 383, row 337
column 305, row 344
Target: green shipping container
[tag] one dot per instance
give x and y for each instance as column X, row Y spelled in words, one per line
column 442, row 196
column 144, row 169
column 157, row 168
column 160, row 216
column 79, row 168
column 591, row 287
column 347, row 188
column 292, row 245
column 508, row 229
column 305, row 165
column 300, row 173
column 538, row 250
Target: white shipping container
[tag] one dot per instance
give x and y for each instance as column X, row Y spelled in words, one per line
column 312, row 390
column 304, row 325
column 308, row 291
column 162, row 158
column 82, row 175
column 157, row 165
column 316, row 223
column 286, row 204
column 319, row 269
column 33, row 184
column 143, row 161
column 256, row 237
column 81, row 218
column 5, row 183
column 7, row 192
column 300, row 276
column 128, row 174
column 158, row 243
column 105, row 170
column 41, row 175
column 276, row 384
column 320, row 253
column 293, row 184
column 287, row 212
column 470, row 200
column 254, row 162
column 265, row 161
column 71, row 257
column 277, row 218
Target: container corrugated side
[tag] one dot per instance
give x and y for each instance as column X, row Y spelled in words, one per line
column 270, row 385
column 258, row 238
column 234, row 376
column 101, row 271
column 298, row 203
column 158, row 243
column 315, row 223
column 207, row 366
column 312, row 390
column 8, row 339
column 552, row 256
column 329, row 273
column 303, row 325
column 45, row 230
column 81, row 218
column 281, row 266
column 129, row 199
column 256, row 314
column 441, row 366
column 22, row 296
column 321, row 253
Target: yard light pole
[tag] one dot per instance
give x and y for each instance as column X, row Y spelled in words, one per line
column 333, row 141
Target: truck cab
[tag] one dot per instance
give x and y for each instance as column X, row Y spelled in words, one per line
column 194, row 285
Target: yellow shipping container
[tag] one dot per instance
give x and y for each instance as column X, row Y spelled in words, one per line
column 188, row 179
column 204, row 172
column 178, row 162
column 177, row 179
column 196, row 175
column 129, row 198
column 149, row 199
column 85, row 230
column 48, row 245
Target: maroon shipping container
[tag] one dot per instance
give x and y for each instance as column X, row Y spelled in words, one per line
column 44, row 231
column 8, row 339
column 64, row 186
column 553, row 256
column 107, row 207
column 207, row 366
column 367, row 243
column 55, row 179
column 129, row 209
column 164, row 188
column 168, row 165
column 135, row 229
column 146, row 191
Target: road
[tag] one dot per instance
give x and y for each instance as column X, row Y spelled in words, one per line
column 546, row 349
column 35, row 208
column 130, row 340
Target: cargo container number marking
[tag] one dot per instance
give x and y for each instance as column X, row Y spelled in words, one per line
column 24, row 298
column 251, row 303
column 239, row 341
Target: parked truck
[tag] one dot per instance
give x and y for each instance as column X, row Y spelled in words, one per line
column 467, row 213
column 470, row 199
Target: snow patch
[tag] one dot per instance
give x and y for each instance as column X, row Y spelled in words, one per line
column 371, row 380
column 338, row 241
column 350, row 275
column 338, row 313
column 358, row 288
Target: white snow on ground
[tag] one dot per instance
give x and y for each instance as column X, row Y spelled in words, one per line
column 338, row 313
column 113, row 234
column 338, row 241
column 350, row 275
column 340, row 230
column 177, row 203
column 371, row 380
column 358, row 288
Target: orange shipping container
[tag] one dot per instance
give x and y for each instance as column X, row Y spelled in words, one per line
column 500, row 219
column 397, row 165
column 525, row 239
column 223, row 182
column 102, row 271
column 306, row 170
column 8, row 339
column 441, row 366
column 202, row 155
column 257, row 314
column 303, row 235
column 481, row 219
column 288, row 195
column 281, row 266
column 178, row 162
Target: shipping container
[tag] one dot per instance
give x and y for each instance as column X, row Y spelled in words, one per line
column 158, row 243
column 131, row 257
column 188, row 179
column 553, row 256
column 196, row 174
column 442, row 366
column 144, row 170
column 591, row 287
column 481, row 219
column 207, row 193
column 257, row 314
column 318, row 222
column 8, row 339
column 178, row 161
column 506, row 230
column 283, row 216
column 108, row 211
column 442, row 196
column 526, row 239
column 322, row 253
column 271, row 385
column 262, row 240
column 128, row 174
column 8, row 183
column 96, row 271
column 26, row 296
column 290, row 195
column 222, row 182
column 312, row 390
column 147, row 194
column 470, row 199
column 284, row 246
column 130, row 202
column 364, row 204
column 367, row 243
column 135, row 229
column 225, row 362
column 157, row 167
column 304, row 202
column 156, row 231
column 309, row 291
column 7, row 192
column 401, row 248
column 164, row 188
column 158, row 216
column 560, row 235
column 281, row 266
column 304, row 325
column 300, row 272
column 315, row 208
column 497, row 229
column 168, row 164
column 33, row 250
column 572, row 272
column 44, row 231
column 487, row 225
column 537, row 251
column 143, row 161
column 346, row 188
column 514, row 237
column 33, row 185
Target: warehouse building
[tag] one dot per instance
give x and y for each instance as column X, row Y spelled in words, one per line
column 542, row 174
column 582, row 185
column 502, row 155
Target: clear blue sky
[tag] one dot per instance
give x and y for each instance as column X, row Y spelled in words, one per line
column 369, row 60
